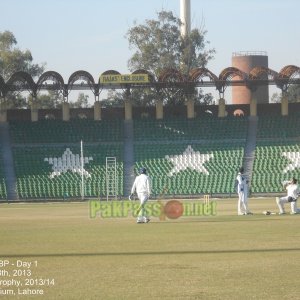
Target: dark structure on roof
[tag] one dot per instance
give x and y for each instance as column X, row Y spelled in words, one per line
column 169, row 78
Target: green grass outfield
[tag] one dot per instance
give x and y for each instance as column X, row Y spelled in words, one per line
column 216, row 257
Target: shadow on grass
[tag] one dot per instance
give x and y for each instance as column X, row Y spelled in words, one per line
column 220, row 219
column 142, row 253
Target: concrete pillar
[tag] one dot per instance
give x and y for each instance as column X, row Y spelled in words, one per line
column 3, row 111
column 221, row 110
column 159, row 110
column 97, row 111
column 190, row 106
column 34, row 112
column 128, row 109
column 284, row 106
column 66, row 111
column 253, row 108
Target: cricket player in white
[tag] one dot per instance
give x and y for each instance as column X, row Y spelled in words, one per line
column 141, row 186
column 242, row 190
column 292, row 196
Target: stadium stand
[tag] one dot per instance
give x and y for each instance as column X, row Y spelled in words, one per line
column 47, row 159
column 183, row 156
column 277, row 149
column 221, row 167
column 271, row 166
column 219, row 141
column 57, row 131
column 279, row 127
column 36, row 178
column 190, row 129
column 3, row 193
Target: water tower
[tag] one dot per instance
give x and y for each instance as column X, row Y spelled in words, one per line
column 246, row 61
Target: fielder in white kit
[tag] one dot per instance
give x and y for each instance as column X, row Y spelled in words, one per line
column 242, row 190
column 141, row 186
column 292, row 196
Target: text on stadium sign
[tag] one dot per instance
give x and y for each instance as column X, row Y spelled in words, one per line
column 130, row 78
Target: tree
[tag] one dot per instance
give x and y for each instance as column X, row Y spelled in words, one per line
column 12, row 59
column 159, row 45
column 53, row 99
column 275, row 98
column 16, row 100
column 292, row 93
column 113, row 98
column 81, row 102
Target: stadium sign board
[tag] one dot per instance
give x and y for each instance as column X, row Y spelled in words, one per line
column 125, row 78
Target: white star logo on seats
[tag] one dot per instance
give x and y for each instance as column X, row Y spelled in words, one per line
column 294, row 158
column 68, row 161
column 189, row 159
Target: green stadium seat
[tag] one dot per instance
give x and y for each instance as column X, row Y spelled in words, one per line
column 33, row 170
column 3, row 192
column 276, row 135
column 227, row 156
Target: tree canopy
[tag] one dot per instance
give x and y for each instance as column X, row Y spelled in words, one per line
column 292, row 94
column 82, row 101
column 158, row 45
column 12, row 60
